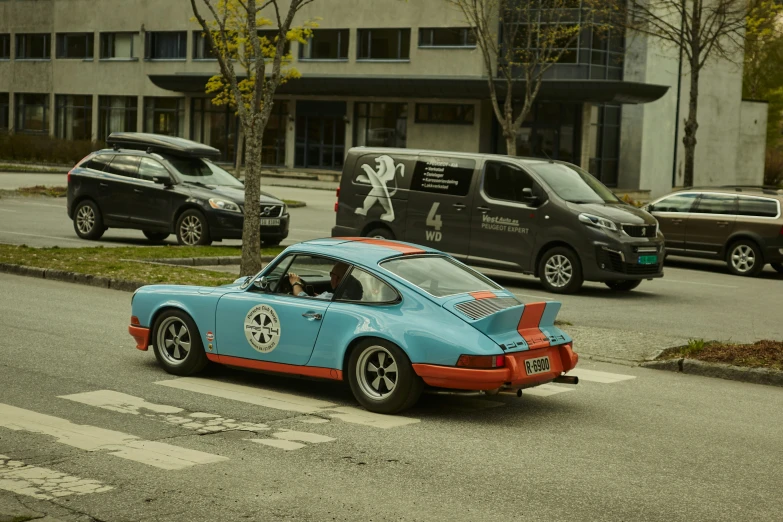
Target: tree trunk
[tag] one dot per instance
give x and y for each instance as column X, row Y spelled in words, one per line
column 251, row 233
column 511, row 143
column 691, row 126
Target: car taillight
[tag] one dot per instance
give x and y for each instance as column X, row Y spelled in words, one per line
column 481, row 361
column 336, row 204
column 337, row 192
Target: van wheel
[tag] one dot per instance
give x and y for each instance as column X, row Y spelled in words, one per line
column 744, row 258
column 623, row 286
column 560, row 271
column 778, row 267
column 380, row 233
column 87, row 220
column 192, row 229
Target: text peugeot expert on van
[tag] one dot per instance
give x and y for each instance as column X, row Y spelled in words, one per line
column 546, row 218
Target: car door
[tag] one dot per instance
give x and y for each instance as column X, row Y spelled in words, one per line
column 273, row 325
column 152, row 202
column 672, row 214
column 504, row 222
column 115, row 188
column 710, row 223
column 438, row 204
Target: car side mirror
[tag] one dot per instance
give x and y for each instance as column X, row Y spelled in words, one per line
column 261, row 283
column 648, row 208
column 162, row 180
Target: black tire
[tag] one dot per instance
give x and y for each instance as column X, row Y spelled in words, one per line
column 173, row 330
column 193, row 229
column 87, row 220
column 565, row 276
column 156, row 237
column 744, row 258
column 623, row 286
column 406, row 385
column 778, row 267
column 380, row 233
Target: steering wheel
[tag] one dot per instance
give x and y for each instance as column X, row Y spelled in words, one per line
column 287, row 288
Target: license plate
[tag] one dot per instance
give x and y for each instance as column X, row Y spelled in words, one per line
column 537, row 365
column 270, row 222
column 648, row 260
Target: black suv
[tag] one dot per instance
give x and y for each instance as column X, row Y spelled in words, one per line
column 162, row 184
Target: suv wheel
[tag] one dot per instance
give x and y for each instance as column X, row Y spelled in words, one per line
column 744, row 258
column 623, row 286
column 87, row 220
column 192, row 229
column 560, row 271
column 778, row 267
column 380, row 233
column 156, row 236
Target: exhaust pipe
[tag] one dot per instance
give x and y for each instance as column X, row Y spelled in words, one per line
column 567, row 379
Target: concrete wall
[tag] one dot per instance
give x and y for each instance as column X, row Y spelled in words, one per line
column 459, row 138
column 751, row 143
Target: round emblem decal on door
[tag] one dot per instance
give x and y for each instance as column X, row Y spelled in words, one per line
column 262, row 328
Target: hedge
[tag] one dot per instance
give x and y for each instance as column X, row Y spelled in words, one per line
column 45, row 149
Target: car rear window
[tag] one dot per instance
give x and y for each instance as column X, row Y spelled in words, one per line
column 439, row 276
column 97, row 162
column 758, row 207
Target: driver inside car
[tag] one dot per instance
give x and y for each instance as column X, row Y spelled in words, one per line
column 336, row 274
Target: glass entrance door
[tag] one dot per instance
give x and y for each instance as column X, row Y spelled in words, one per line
column 320, row 135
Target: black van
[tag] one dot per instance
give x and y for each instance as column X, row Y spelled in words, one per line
column 546, row 218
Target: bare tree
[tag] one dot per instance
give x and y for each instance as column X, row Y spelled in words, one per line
column 232, row 29
column 701, row 29
column 520, row 40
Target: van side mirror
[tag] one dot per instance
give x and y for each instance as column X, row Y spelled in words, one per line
column 648, row 208
column 528, row 196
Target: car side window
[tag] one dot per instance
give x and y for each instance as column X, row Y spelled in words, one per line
column 758, row 207
column 315, row 273
column 506, row 182
column 676, row 203
column 360, row 286
column 97, row 162
column 124, row 165
column 716, row 204
column 149, row 169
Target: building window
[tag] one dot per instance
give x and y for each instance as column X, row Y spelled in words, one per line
column 202, row 48
column 165, row 116
column 73, row 117
column 447, row 37
column 607, row 52
column 4, row 110
column 550, row 130
column 605, row 138
column 381, row 124
column 384, row 44
column 5, row 46
column 269, row 38
column 116, row 114
column 75, row 45
column 33, row 47
column 214, row 125
column 166, row 45
column 32, row 113
column 119, row 46
column 449, row 113
column 325, row 44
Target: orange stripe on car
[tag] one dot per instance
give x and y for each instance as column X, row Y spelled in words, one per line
column 309, row 371
column 528, row 326
column 403, row 249
column 482, row 295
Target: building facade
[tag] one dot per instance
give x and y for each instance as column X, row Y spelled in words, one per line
column 377, row 73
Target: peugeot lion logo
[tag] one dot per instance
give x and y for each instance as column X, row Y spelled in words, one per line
column 644, row 231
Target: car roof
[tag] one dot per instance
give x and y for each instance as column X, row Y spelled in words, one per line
column 753, row 190
column 365, row 251
column 161, row 143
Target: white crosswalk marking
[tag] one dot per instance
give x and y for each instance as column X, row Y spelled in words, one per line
column 287, row 445
column 116, row 443
column 43, row 483
column 602, row 377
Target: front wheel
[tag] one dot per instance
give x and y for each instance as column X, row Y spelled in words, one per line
column 623, row 286
column 560, row 271
column 177, row 343
column 778, row 267
column 744, row 258
column 382, row 378
column 192, row 229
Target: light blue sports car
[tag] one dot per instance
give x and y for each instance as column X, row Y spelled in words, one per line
column 390, row 317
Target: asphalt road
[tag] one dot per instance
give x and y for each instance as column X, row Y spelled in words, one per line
column 92, row 427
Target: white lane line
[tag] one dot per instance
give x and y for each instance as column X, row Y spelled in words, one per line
column 287, row 402
column 43, row 483
column 44, row 237
column 7, row 210
column 199, row 421
column 287, row 445
column 92, row 438
column 596, row 376
column 667, row 280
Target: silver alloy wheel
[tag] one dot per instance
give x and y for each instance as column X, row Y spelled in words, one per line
column 558, row 271
column 376, row 372
column 173, row 341
column 85, row 219
column 743, row 258
column 190, row 230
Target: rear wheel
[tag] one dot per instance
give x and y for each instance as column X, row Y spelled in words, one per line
column 156, row 236
column 382, row 378
column 778, row 267
column 560, row 271
column 192, row 229
column 380, row 233
column 177, row 343
column 744, row 258
column 623, row 286
column 87, row 220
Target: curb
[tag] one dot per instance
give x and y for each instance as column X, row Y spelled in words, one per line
column 722, row 371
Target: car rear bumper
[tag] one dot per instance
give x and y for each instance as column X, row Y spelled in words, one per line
column 562, row 359
column 141, row 335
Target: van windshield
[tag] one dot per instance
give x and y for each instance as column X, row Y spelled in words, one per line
column 202, row 171
column 574, row 184
column 439, row 276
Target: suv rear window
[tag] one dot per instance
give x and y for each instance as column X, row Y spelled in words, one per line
column 439, row 276
column 758, row 207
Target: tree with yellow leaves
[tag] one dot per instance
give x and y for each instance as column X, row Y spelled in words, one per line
column 253, row 64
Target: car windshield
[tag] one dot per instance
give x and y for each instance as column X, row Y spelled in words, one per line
column 574, row 184
column 196, row 170
column 439, row 276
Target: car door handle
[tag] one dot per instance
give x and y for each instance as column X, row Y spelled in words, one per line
column 312, row 316
column 103, row 184
column 676, row 221
column 722, row 223
column 458, row 206
column 483, row 209
column 138, row 191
